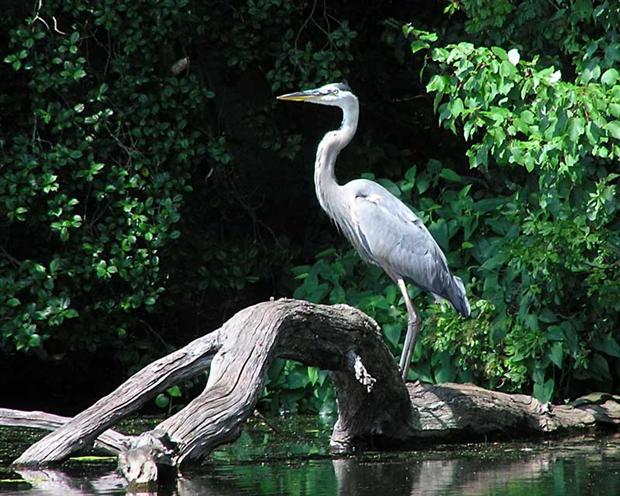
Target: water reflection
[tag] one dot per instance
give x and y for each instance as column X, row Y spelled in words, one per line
column 434, row 477
column 562, row 468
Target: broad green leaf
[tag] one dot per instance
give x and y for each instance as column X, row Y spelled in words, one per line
column 576, row 127
column 297, row 379
column 313, row 375
column 610, row 76
column 457, row 107
column 420, row 372
column 439, row 230
column 174, row 392
column 392, row 332
column 438, row 83
column 555, row 333
column 500, row 52
column 599, row 367
column 544, row 392
column 614, row 129
column 488, row 204
column 507, row 69
column 390, row 186
column 570, row 337
column 547, row 316
column 556, row 354
column 418, row 45
column 162, row 401
column 422, row 183
column 450, row 175
column 606, row 344
column 527, row 117
column 445, row 372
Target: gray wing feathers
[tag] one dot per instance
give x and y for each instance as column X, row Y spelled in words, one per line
column 459, row 297
column 390, row 235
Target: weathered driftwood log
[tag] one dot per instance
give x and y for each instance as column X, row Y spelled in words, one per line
column 373, row 403
column 81, row 431
column 372, row 400
column 110, row 441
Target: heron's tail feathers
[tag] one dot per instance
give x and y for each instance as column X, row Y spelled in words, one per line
column 458, row 297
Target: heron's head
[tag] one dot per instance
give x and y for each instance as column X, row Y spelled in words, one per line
column 334, row 94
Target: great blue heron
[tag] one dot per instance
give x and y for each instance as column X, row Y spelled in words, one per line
column 383, row 230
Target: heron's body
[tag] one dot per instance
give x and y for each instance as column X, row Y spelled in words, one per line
column 383, row 230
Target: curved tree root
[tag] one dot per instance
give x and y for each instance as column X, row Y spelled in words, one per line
column 373, row 403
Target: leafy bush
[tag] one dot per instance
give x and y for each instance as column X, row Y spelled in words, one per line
column 139, row 206
column 94, row 172
column 555, row 260
column 533, row 226
column 106, row 144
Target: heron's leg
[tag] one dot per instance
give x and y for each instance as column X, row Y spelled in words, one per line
column 413, row 325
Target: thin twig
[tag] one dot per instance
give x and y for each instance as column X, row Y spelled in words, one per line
column 269, row 424
column 37, row 17
column 56, row 27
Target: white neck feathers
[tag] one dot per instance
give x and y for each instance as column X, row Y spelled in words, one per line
column 330, row 146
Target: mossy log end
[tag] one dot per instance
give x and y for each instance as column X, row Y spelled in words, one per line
column 373, row 403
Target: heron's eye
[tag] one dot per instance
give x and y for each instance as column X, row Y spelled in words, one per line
column 335, row 92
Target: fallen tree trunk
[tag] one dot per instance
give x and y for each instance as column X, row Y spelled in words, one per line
column 111, row 441
column 373, row 403
column 372, row 400
column 466, row 410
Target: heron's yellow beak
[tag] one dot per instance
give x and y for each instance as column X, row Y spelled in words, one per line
column 300, row 96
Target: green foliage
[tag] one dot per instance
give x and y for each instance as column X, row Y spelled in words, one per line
column 83, row 172
column 165, row 400
column 291, row 387
column 581, row 33
column 130, row 196
column 553, row 274
column 106, row 146
column 533, row 225
column 526, row 116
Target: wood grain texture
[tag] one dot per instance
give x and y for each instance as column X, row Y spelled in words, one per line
column 466, row 410
column 372, row 400
column 81, row 431
column 374, row 405
column 110, row 441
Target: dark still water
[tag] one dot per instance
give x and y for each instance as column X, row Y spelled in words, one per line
column 290, row 458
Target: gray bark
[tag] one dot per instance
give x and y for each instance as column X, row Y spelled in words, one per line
column 81, row 431
column 372, row 400
column 110, row 441
column 373, row 403
column 453, row 410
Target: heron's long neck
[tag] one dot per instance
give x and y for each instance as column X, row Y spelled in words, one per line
column 325, row 182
